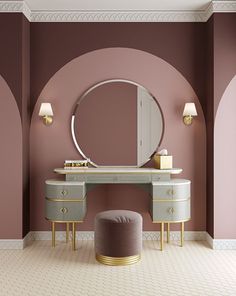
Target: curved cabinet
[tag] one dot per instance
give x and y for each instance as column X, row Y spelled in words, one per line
column 65, row 201
column 170, row 201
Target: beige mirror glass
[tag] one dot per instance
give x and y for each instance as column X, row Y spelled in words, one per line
column 117, row 123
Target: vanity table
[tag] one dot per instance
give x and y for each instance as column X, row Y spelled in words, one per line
column 99, row 132
column 169, row 197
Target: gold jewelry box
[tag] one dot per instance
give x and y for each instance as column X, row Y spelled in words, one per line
column 162, row 162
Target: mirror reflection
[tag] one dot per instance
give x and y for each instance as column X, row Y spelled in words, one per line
column 117, row 123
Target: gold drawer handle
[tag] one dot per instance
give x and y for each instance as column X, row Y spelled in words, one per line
column 171, row 210
column 64, row 192
column 63, row 210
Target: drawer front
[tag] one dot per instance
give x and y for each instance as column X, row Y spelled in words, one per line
column 170, row 211
column 100, row 178
column 65, row 191
column 171, row 191
column 162, row 192
column 53, row 211
column 75, row 211
column 181, row 191
column 65, row 210
column 132, row 178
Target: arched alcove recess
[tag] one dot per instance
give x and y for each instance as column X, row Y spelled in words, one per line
column 224, row 165
column 11, row 164
column 50, row 146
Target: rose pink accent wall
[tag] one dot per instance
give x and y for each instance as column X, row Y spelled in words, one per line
column 11, row 165
column 50, row 146
column 111, row 129
column 224, row 165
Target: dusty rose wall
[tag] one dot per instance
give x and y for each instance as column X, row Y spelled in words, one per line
column 224, row 53
column 183, row 45
column 11, row 164
column 187, row 144
column 14, row 68
column 224, row 165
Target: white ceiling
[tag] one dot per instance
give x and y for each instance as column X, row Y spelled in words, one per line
column 166, row 5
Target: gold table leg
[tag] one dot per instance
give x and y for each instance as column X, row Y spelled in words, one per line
column 168, row 232
column 73, row 236
column 53, row 235
column 67, row 231
column 162, row 235
column 182, row 234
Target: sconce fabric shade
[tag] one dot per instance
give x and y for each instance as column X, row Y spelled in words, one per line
column 46, row 109
column 190, row 109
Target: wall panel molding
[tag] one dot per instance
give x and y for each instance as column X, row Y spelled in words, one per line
column 113, row 15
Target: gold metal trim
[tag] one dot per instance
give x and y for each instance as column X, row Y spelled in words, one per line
column 163, row 200
column 171, row 221
column 73, row 236
column 162, row 236
column 67, row 231
column 64, row 199
column 53, row 235
column 188, row 119
column 47, row 120
column 115, row 261
column 64, row 221
column 168, row 232
column 182, row 235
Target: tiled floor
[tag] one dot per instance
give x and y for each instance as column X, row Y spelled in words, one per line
column 194, row 269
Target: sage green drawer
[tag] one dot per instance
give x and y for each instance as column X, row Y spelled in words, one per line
column 65, row 210
column 173, row 189
column 170, row 211
column 65, row 189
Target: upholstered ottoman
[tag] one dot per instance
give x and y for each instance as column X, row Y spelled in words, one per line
column 118, row 237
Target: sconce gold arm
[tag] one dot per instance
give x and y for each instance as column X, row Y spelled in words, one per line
column 47, row 120
column 188, row 119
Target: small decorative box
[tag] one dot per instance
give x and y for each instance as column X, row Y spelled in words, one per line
column 163, row 161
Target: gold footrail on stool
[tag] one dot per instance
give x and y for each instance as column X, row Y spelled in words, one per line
column 118, row 260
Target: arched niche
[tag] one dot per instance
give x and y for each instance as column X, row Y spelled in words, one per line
column 50, row 146
column 224, row 165
column 11, row 165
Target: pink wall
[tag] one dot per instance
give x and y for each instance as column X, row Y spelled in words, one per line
column 224, row 165
column 50, row 146
column 11, row 165
column 111, row 129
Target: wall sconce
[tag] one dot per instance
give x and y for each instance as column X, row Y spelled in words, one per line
column 189, row 112
column 46, row 113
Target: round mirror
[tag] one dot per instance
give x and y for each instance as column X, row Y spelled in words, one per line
column 117, row 123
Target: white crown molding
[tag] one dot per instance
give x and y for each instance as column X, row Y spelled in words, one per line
column 11, row 6
column 224, row 6
column 117, row 15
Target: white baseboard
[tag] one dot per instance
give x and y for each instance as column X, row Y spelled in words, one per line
column 147, row 235
column 215, row 244
column 11, row 244
column 221, row 244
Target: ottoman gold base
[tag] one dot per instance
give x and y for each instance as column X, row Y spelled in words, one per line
column 118, row 260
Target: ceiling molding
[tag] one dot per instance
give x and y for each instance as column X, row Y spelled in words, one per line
column 117, row 15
